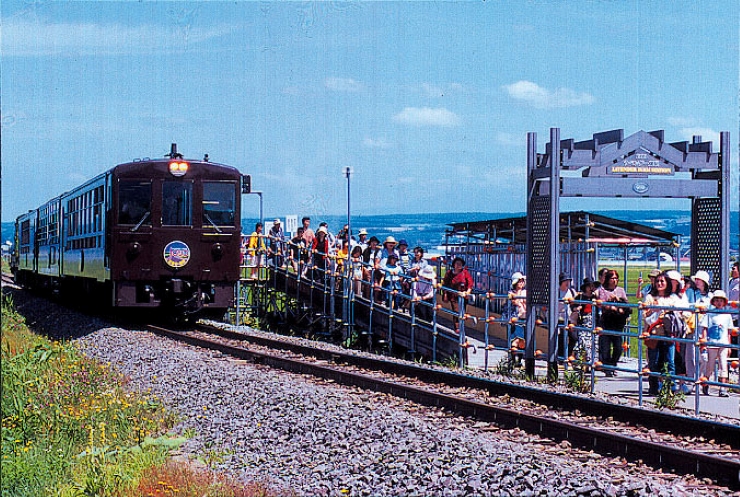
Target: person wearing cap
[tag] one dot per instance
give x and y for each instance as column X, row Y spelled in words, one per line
column 276, row 247
column 423, row 290
column 715, row 329
column 404, row 257
column 613, row 320
column 565, row 295
column 642, row 291
column 390, row 281
column 459, row 283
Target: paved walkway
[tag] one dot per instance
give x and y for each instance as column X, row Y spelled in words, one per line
column 625, row 383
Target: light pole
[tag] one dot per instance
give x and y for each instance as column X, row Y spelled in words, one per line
column 349, row 286
column 347, row 173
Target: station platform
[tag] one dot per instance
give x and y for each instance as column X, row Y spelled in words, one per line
column 625, row 383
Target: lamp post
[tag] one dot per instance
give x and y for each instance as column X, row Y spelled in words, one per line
column 347, row 173
column 349, row 287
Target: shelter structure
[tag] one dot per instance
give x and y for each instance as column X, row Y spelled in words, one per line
column 495, row 249
column 609, row 165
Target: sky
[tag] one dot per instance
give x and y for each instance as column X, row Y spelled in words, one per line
column 427, row 103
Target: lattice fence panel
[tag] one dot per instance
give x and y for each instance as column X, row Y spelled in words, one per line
column 538, row 282
column 706, row 237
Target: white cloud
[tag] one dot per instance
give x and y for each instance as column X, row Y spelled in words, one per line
column 343, row 84
column 426, row 116
column 707, row 134
column 543, row 98
column 380, row 143
column 21, row 38
column 681, row 122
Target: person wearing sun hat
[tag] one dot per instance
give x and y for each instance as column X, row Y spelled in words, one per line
column 518, row 294
column 700, row 290
column 518, row 302
column 390, row 281
column 715, row 329
column 389, row 247
column 276, row 241
column 362, row 241
column 424, row 289
column 697, row 294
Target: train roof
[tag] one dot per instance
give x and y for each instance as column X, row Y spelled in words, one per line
column 147, row 162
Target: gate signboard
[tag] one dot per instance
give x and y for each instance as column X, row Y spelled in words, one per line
column 641, row 165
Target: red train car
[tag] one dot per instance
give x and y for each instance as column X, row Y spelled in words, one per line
column 161, row 233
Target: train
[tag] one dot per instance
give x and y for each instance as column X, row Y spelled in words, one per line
column 161, row 234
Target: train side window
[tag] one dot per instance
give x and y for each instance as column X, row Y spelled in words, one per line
column 219, row 200
column 177, row 203
column 134, row 202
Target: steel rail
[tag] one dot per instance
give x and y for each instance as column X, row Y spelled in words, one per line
column 724, row 472
column 652, row 419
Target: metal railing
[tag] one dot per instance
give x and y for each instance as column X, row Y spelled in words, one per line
column 336, row 276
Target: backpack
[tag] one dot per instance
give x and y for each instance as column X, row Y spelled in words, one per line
column 674, row 325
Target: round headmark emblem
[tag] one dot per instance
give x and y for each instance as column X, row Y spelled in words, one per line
column 176, row 254
column 640, row 188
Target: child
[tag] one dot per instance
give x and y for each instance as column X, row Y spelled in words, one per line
column 715, row 329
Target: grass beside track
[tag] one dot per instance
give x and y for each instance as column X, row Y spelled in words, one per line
column 69, row 428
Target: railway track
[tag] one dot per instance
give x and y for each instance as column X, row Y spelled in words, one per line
column 669, row 442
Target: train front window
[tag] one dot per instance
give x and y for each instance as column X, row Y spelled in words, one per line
column 219, row 201
column 177, row 203
column 135, row 202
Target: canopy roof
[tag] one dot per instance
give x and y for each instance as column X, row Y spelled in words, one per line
column 574, row 226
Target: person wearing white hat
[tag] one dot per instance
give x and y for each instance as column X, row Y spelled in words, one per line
column 389, row 247
column 715, row 329
column 423, row 291
column 276, row 241
column 320, row 250
column 518, row 298
column 518, row 295
column 697, row 294
column 362, row 241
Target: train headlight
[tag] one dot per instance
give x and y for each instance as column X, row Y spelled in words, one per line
column 217, row 251
column 134, row 249
column 178, row 168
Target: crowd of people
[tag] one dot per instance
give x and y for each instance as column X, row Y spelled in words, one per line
column 387, row 272
column 687, row 331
